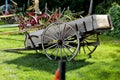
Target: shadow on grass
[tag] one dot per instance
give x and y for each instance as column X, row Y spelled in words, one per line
column 41, row 62
column 118, row 51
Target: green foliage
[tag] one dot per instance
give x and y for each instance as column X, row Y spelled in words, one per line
column 74, row 5
column 67, row 16
column 102, row 6
column 114, row 11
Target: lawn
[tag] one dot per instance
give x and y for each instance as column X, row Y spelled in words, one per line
column 27, row 65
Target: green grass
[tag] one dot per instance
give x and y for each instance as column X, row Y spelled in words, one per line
column 26, row 65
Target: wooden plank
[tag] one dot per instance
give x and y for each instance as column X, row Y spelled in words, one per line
column 18, row 31
column 4, row 16
column 8, row 25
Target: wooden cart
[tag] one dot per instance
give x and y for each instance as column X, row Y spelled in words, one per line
column 63, row 40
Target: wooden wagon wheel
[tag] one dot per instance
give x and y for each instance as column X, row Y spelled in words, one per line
column 60, row 41
column 89, row 43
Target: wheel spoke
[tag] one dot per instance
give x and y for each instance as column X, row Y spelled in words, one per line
column 66, row 32
column 63, row 31
column 54, row 35
column 70, row 41
column 90, row 39
column 57, row 53
column 49, row 37
column 89, row 43
column 51, row 42
column 59, row 34
column 56, row 28
column 84, row 49
column 89, row 49
column 69, row 36
column 68, row 50
column 70, row 46
column 61, row 53
column 65, row 53
column 53, row 50
column 51, row 46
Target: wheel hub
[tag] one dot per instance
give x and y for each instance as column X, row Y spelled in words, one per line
column 59, row 42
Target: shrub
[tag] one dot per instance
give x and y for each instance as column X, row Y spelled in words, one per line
column 114, row 11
